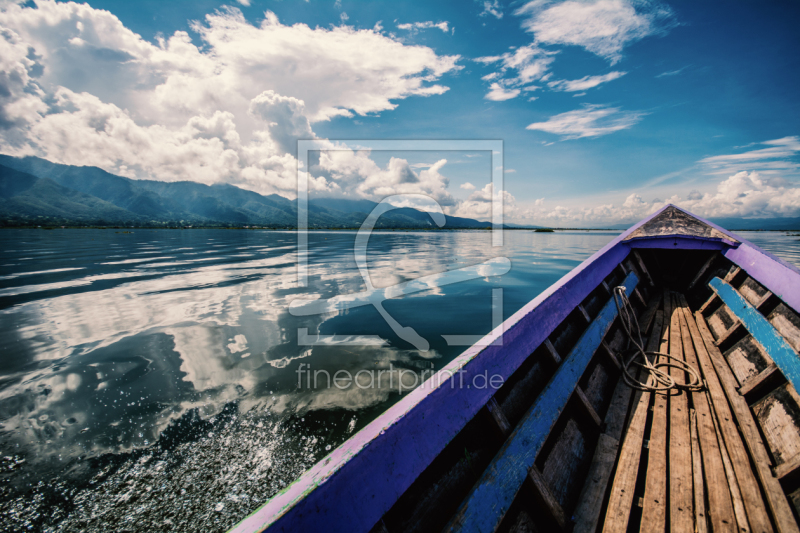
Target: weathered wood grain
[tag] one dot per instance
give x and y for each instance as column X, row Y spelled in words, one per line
column 728, row 332
column 758, row 300
column 681, row 495
column 516, row 401
column 747, row 358
column 755, row 381
column 490, row 499
column 547, row 498
column 788, row 468
column 551, row 352
column 721, row 320
column 779, row 417
column 712, row 300
column 721, row 386
column 568, row 458
column 587, row 512
column 762, row 331
column 646, row 320
column 622, row 490
column 720, row 510
column 498, row 416
column 700, row 519
column 702, row 271
column 672, row 222
column 732, row 273
column 654, row 509
column 643, row 268
column 587, row 407
column 787, row 323
column 753, row 291
column 600, row 380
column 733, row 485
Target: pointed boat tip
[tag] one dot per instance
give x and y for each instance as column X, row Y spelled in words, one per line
column 672, row 221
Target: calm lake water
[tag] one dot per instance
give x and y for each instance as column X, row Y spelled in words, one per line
column 149, row 379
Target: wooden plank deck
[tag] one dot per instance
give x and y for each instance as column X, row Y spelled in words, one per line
column 759, row 327
column 681, row 496
column 712, row 473
column 622, row 491
column 721, row 386
column 588, row 511
column 687, row 465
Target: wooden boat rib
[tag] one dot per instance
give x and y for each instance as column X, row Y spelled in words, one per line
column 565, row 443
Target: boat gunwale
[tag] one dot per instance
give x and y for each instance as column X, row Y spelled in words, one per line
column 730, row 242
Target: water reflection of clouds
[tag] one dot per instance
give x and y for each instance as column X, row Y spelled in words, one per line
column 430, row 284
column 205, row 334
column 38, row 272
column 205, row 361
column 137, row 260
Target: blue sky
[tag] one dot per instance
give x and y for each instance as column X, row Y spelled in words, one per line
column 607, row 109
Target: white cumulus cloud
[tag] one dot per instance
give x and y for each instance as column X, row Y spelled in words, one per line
column 416, row 26
column 582, row 84
column 479, row 204
column 285, row 118
column 742, row 195
column 498, row 93
column 228, row 110
column 603, row 27
column 491, row 7
column 518, row 69
column 590, row 121
column 355, row 173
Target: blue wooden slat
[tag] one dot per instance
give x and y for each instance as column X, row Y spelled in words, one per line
column 761, row 330
column 491, row 498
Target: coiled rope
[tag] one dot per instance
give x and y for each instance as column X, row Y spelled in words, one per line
column 657, row 380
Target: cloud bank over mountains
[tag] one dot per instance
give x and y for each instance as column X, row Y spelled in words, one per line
column 763, row 192
column 80, row 88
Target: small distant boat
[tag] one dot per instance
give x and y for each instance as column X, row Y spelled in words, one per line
column 588, row 434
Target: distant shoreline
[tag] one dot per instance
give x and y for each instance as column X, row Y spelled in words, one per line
column 265, row 228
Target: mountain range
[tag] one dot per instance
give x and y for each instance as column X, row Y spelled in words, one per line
column 34, row 191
